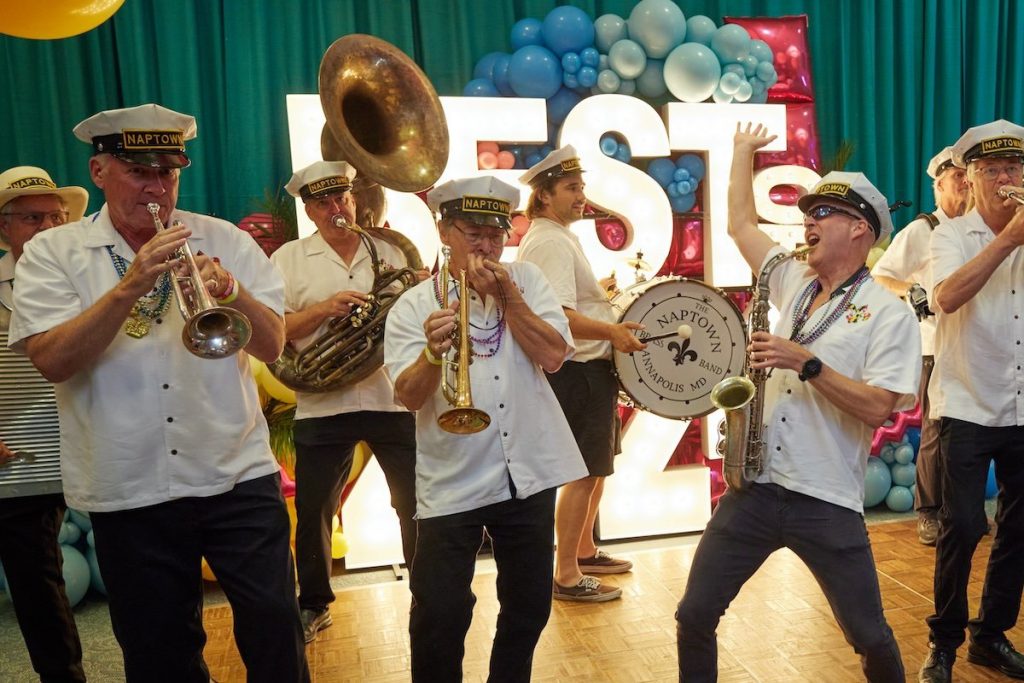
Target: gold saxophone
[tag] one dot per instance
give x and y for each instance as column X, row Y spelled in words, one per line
column 742, row 397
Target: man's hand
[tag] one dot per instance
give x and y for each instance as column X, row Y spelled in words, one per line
column 6, row 454
column 342, row 303
column 623, row 339
column 768, row 351
column 751, row 139
column 486, row 277
column 1014, row 230
column 151, row 261
column 438, row 329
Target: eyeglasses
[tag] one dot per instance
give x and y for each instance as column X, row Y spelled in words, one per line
column 990, row 173
column 825, row 210
column 474, row 238
column 35, row 218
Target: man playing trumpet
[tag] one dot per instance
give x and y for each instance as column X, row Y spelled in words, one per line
column 502, row 479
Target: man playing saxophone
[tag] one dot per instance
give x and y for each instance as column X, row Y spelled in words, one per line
column 327, row 276
column 501, row 479
column 843, row 357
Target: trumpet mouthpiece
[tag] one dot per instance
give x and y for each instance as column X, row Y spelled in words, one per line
column 153, row 208
column 1011, row 192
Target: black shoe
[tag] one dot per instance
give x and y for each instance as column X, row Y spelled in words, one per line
column 999, row 656
column 938, row 667
column 314, row 621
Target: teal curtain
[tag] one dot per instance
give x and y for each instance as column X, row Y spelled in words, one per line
column 898, row 79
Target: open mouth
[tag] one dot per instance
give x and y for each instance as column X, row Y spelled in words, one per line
column 812, row 240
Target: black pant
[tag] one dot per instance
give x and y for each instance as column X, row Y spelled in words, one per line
column 33, row 564
column 522, row 538
column 150, row 561
column 967, row 449
column 323, row 460
column 928, row 492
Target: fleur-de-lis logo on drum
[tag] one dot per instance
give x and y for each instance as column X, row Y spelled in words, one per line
column 683, row 352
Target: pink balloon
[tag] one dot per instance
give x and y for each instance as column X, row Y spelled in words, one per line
column 686, row 253
column 786, row 195
column 520, row 224
column 895, row 431
column 801, row 139
column 611, row 233
column 487, row 161
column 491, row 147
column 506, row 159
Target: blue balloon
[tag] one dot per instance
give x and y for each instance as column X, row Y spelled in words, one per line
column 658, row 25
column 561, row 103
column 546, row 150
column 609, row 144
column 76, row 574
column 899, row 499
column 729, row 83
column 680, row 174
column 758, row 97
column 587, row 76
column 904, row 475
column 904, row 454
column 765, row 71
column 699, row 29
column 743, row 92
column 760, row 49
column 569, row 80
column 721, row 97
column 682, row 203
column 623, row 153
column 571, row 62
column 662, row 170
column 608, row 81
column 757, row 86
column 608, row 30
column 692, row 72
column 694, row 164
column 877, row 482
column 90, row 538
column 627, row 87
column 485, row 67
column 500, row 79
column 590, row 57
column 651, row 83
column 749, row 66
column 534, row 72
column 685, row 187
column 731, row 43
column 991, row 487
column 672, row 190
column 533, row 159
column 81, row 520
column 888, row 453
column 734, row 69
column 480, row 87
column 627, row 59
column 567, row 29
column 526, row 32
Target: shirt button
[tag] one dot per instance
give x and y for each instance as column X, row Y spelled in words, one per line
column 783, row 419
column 506, row 433
column 778, row 448
column 502, row 405
column 496, row 377
column 174, row 451
column 167, row 386
column 170, row 419
column 159, row 320
column 789, row 391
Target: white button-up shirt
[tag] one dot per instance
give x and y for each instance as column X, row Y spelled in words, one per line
column 557, row 251
column 528, row 440
column 313, row 271
column 908, row 259
column 979, row 349
column 811, row 446
column 148, row 422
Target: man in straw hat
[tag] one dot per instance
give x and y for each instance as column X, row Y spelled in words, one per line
column 822, row 404
column 167, row 451
column 501, row 479
column 905, row 270
column 31, row 202
column 978, row 270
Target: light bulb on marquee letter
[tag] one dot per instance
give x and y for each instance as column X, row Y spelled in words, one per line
column 786, row 223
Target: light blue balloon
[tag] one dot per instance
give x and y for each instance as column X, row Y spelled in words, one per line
column 608, row 30
column 627, row 87
column 680, row 174
column 899, row 499
column 546, row 149
column 623, row 153
column 685, row 187
column 731, row 43
column 567, row 29
column 760, row 49
column 76, row 574
column 533, row 159
column 534, row 72
column 765, row 71
column 774, row 78
column 485, row 67
column 480, row 87
column 904, row 475
column 658, row 25
column 526, row 32
column 749, row 65
column 569, row 80
column 729, row 83
column 73, row 533
column 757, row 86
column 672, row 190
column 627, row 58
column 608, row 81
column 699, row 29
column 500, row 79
column 888, row 453
column 81, row 520
column 758, row 97
column 590, row 57
column 694, row 164
column 691, row 72
column 587, row 76
column 877, row 482
column 743, row 92
column 609, row 145
column 662, row 170
column 721, row 97
column 734, row 69
column 904, row 453
column 571, row 62
column 602, row 63
column 651, row 83
column 561, row 103
column 90, row 538
column 682, row 203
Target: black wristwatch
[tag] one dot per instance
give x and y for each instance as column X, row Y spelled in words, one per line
column 810, row 370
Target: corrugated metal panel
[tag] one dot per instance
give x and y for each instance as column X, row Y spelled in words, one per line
column 28, row 425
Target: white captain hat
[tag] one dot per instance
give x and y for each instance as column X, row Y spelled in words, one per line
column 483, row 200
column 321, row 178
column 149, row 134
column 857, row 191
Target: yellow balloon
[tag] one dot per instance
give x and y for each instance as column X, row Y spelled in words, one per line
column 873, row 256
column 339, row 545
column 275, row 388
column 54, row 18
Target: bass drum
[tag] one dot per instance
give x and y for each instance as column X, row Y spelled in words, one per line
column 673, row 377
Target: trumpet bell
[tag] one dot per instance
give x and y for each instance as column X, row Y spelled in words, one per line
column 463, row 420
column 733, row 393
column 217, row 332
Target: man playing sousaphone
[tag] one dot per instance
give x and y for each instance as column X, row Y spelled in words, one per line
column 501, row 479
column 327, row 276
column 844, row 355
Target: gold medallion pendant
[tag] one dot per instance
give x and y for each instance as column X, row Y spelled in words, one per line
column 136, row 326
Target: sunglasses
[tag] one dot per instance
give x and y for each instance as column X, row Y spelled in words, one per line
column 822, row 211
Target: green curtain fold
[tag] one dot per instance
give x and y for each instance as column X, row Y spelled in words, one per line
column 899, row 79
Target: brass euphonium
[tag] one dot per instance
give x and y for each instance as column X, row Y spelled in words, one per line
column 742, row 397
column 210, row 331
column 463, row 418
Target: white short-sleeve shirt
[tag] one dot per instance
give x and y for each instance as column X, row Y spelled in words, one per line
column 528, row 441
column 979, row 348
column 313, row 271
column 811, row 446
column 148, row 422
column 557, row 252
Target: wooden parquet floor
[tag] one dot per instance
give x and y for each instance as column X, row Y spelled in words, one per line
column 779, row 628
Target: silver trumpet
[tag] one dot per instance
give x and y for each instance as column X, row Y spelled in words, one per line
column 210, row 331
column 1011, row 192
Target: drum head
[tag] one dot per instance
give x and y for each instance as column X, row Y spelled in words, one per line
column 673, row 376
